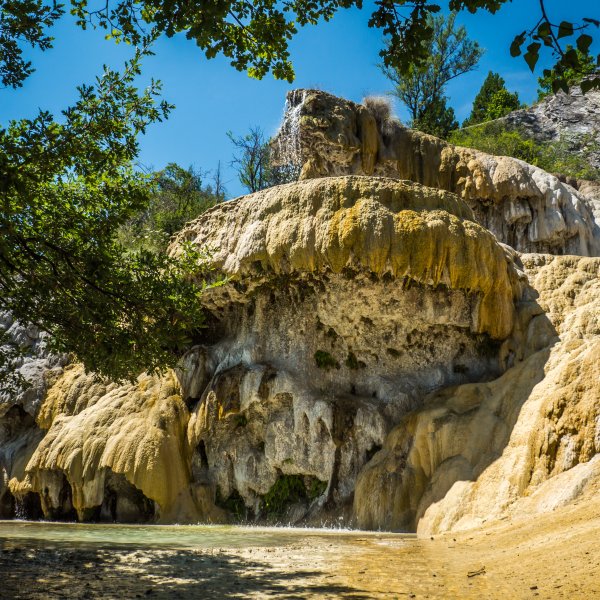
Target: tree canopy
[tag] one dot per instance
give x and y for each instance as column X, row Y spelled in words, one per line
column 450, row 53
column 492, row 101
column 571, row 75
column 66, row 187
column 255, row 35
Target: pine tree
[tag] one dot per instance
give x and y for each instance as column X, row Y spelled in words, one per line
column 492, row 101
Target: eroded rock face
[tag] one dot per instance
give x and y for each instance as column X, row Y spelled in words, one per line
column 347, row 300
column 487, row 450
column 97, row 433
column 372, row 352
column 574, row 116
column 522, row 205
column 34, row 371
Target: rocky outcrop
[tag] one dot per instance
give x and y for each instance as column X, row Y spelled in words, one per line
column 573, row 117
column 345, row 301
column 316, row 354
column 96, row 431
column 525, row 442
column 372, row 355
column 32, row 370
column 522, row 205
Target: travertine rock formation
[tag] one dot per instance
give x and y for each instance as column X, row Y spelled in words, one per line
column 346, row 301
column 96, row 431
column 522, row 205
column 483, row 451
column 317, row 355
column 372, row 353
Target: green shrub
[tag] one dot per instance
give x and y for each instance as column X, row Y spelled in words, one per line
column 286, row 490
column 289, row 489
column 353, row 363
column 555, row 157
column 325, row 361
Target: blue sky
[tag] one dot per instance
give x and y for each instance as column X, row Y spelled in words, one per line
column 212, row 98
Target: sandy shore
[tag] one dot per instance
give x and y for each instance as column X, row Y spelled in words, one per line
column 551, row 556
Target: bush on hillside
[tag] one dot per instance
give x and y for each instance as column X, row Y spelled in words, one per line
column 562, row 157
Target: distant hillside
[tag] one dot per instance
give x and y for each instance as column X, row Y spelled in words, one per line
column 574, row 116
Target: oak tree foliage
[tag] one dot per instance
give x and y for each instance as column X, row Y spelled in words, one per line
column 66, row 187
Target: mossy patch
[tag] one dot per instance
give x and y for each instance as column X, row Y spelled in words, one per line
column 324, row 360
column 353, row 363
column 241, row 420
column 289, row 489
column 316, row 488
column 234, row 504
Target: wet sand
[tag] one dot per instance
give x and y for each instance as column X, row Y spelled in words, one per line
column 551, row 556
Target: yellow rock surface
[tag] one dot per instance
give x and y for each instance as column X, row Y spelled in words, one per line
column 524, row 206
column 524, row 443
column 137, row 430
column 381, row 225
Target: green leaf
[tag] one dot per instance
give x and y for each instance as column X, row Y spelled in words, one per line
column 584, row 42
column 560, row 84
column 565, row 29
column 515, row 47
column 570, row 58
column 590, row 84
column 532, row 55
column 544, row 30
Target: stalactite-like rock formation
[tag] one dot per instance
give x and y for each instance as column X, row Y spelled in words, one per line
column 373, row 355
column 524, row 206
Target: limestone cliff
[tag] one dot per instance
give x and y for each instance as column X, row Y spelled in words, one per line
column 525, row 442
column 524, row 206
column 574, row 117
column 373, row 355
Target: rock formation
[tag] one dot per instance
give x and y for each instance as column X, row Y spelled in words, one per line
column 482, row 451
column 372, row 353
column 525, row 207
column 574, row 117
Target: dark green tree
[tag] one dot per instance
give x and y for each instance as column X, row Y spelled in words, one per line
column 450, row 53
column 179, row 195
column 23, row 23
column 66, row 187
column 438, row 119
column 492, row 101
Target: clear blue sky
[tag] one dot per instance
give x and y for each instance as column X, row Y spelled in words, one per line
column 211, row 97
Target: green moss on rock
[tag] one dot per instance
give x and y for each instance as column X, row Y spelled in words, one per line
column 324, row 360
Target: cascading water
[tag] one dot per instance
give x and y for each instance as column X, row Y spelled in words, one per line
column 288, row 154
column 20, row 512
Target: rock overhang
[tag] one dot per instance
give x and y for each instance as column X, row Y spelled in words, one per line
column 375, row 225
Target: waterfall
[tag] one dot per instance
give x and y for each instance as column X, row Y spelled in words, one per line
column 20, row 513
column 288, row 143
